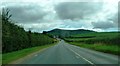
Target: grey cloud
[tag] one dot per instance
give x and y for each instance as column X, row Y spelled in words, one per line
column 104, row 24
column 71, row 14
column 111, row 22
column 72, row 10
column 114, row 18
column 27, row 13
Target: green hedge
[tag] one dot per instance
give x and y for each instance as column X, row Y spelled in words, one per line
column 16, row 38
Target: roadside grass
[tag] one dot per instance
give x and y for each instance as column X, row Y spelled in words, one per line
column 0, row 59
column 112, row 49
column 12, row 56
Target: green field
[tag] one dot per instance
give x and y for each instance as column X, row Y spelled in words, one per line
column 12, row 56
column 98, row 34
column 93, row 38
column 107, row 42
column 113, row 49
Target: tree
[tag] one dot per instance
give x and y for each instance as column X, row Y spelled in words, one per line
column 29, row 37
column 5, row 14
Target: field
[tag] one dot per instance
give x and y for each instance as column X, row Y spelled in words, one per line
column 102, row 41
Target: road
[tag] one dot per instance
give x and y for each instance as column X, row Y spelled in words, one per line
column 64, row 53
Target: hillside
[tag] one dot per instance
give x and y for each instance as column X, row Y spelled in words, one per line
column 67, row 33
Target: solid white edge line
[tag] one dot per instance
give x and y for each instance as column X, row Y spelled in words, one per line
column 82, row 57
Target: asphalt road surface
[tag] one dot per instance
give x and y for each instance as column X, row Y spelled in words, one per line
column 64, row 53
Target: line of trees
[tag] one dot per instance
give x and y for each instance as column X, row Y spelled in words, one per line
column 15, row 38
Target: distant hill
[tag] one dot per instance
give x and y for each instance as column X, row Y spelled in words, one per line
column 66, row 33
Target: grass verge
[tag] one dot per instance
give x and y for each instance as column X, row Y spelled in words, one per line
column 112, row 49
column 0, row 59
column 12, row 56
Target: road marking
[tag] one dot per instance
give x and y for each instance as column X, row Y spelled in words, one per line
column 82, row 57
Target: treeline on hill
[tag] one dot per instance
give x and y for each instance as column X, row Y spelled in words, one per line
column 96, row 38
column 16, row 38
column 62, row 33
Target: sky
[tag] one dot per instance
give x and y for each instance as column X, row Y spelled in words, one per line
column 45, row 15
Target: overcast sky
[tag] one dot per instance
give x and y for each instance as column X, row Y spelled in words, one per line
column 43, row 15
